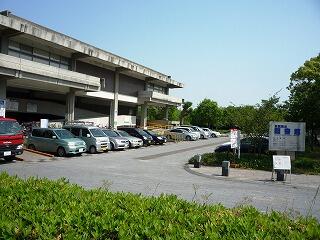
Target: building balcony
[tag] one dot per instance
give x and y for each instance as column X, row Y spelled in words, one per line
column 23, row 71
column 158, row 98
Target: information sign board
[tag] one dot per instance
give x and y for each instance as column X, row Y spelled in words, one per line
column 281, row 162
column 287, row 136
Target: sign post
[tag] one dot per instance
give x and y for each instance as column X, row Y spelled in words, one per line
column 281, row 163
column 2, row 108
column 235, row 140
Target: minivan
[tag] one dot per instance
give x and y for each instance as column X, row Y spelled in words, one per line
column 94, row 137
column 55, row 140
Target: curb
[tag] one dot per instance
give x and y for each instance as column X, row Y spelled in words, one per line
column 273, row 183
column 37, row 152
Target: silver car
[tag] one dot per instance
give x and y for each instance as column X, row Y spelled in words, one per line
column 94, row 137
column 133, row 141
column 176, row 134
column 116, row 141
column 190, row 130
column 203, row 134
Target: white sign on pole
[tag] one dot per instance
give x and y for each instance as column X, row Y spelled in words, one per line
column 287, row 136
column 44, row 123
column 234, row 138
column 281, row 162
column 2, row 108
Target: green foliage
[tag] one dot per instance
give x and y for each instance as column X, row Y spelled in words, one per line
column 306, row 163
column 43, row 209
column 206, row 114
column 186, row 112
column 159, row 113
column 304, row 100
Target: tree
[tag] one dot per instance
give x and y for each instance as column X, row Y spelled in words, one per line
column 186, row 111
column 304, row 100
column 207, row 114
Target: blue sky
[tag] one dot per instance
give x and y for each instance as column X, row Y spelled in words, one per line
column 234, row 52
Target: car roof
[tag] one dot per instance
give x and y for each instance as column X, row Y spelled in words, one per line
column 7, row 119
column 53, row 129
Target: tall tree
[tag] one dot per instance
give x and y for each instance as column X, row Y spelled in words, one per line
column 186, row 111
column 304, row 100
column 207, row 114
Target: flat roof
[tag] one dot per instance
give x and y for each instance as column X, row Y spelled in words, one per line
column 22, row 26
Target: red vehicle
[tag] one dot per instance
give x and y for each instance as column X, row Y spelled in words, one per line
column 11, row 138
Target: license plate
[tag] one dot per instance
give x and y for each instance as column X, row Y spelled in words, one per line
column 7, row 153
column 104, row 149
column 81, row 149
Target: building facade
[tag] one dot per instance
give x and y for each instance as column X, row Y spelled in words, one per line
column 46, row 74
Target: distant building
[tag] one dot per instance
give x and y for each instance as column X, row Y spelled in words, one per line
column 46, row 74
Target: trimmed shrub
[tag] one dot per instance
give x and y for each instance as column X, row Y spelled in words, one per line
column 43, row 209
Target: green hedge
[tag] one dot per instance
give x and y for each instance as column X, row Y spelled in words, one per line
column 43, row 209
column 305, row 163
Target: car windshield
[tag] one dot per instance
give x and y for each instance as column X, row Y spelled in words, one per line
column 97, row 132
column 64, row 134
column 124, row 134
column 9, row 127
column 110, row 133
column 143, row 133
column 152, row 133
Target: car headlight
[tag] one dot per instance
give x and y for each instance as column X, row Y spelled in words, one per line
column 19, row 147
column 144, row 137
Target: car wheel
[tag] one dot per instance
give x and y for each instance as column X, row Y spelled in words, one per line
column 92, row 149
column 61, row 152
column 32, row 147
column 9, row 158
column 188, row 138
column 201, row 136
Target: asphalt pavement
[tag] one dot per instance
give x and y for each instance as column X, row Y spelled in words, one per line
column 161, row 169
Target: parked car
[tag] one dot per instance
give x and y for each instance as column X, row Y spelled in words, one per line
column 203, row 134
column 157, row 139
column 139, row 133
column 176, row 134
column 134, row 142
column 116, row 142
column 190, row 130
column 94, row 137
column 247, row 145
column 11, row 139
column 55, row 140
column 212, row 133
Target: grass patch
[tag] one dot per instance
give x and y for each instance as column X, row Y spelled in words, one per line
column 305, row 163
column 43, row 209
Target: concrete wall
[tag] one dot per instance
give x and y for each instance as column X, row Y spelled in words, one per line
column 130, row 86
column 96, row 71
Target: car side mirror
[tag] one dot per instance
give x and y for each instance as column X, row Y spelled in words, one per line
column 88, row 135
column 54, row 137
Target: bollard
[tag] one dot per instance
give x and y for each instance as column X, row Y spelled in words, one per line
column 280, row 175
column 225, row 168
column 197, row 161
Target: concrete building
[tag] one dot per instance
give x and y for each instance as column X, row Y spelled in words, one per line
column 46, row 74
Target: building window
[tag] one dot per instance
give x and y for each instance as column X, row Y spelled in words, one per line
column 156, row 88
column 38, row 55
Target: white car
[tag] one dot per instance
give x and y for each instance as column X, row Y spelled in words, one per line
column 212, row 133
column 190, row 130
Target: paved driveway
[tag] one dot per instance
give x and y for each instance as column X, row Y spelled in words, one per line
column 160, row 169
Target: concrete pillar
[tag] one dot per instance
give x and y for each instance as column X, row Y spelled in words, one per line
column 166, row 117
column 114, row 103
column 3, row 88
column 70, row 105
column 144, row 116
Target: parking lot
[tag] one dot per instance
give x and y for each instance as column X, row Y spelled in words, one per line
column 161, row 169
